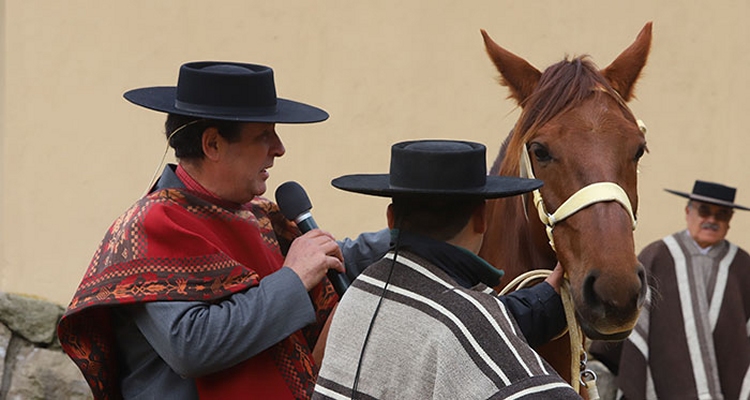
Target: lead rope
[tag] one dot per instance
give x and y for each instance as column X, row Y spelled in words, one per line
column 579, row 374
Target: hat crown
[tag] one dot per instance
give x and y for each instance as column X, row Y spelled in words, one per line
column 714, row 191
column 221, row 87
column 438, row 165
column 225, row 90
column 710, row 192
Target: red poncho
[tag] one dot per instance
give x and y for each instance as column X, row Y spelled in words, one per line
column 176, row 245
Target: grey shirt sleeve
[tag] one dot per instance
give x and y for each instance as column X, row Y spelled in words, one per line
column 363, row 251
column 196, row 338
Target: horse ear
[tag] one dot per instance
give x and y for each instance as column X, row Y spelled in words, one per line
column 516, row 73
column 625, row 70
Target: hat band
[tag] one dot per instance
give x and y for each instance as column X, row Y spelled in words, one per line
column 438, row 190
column 709, row 199
column 217, row 110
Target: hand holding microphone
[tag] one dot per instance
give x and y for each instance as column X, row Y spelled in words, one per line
column 305, row 254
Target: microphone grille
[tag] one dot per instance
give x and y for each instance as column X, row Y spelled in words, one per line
column 292, row 200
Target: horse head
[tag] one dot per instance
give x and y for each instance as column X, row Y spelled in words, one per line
column 577, row 134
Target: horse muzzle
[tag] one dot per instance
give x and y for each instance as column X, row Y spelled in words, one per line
column 608, row 306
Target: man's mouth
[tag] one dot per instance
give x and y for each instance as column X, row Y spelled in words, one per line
column 264, row 173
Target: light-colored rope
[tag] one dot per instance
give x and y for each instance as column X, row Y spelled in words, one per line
column 574, row 330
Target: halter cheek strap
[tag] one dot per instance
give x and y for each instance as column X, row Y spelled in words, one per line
column 586, row 196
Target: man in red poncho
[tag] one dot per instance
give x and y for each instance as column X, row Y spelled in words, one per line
column 202, row 288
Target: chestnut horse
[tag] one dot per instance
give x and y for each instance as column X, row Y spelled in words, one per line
column 575, row 130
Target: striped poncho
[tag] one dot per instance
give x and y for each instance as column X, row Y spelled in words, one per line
column 431, row 338
column 691, row 340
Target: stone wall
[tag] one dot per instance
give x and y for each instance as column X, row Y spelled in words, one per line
column 34, row 366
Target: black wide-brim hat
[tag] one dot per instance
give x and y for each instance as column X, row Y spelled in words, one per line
column 714, row 193
column 226, row 91
column 437, row 167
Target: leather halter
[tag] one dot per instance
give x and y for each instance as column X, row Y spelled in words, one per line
column 594, row 193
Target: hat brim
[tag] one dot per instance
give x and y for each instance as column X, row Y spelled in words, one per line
column 379, row 185
column 706, row 199
column 162, row 98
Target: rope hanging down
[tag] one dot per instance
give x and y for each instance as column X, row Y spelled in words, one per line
column 579, row 374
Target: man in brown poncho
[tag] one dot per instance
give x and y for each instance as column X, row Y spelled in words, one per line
column 691, row 340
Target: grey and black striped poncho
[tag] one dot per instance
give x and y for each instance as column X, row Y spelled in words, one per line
column 432, row 338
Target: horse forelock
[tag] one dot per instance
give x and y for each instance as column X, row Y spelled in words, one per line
column 562, row 87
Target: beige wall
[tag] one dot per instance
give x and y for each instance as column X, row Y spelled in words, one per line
column 3, row 202
column 75, row 154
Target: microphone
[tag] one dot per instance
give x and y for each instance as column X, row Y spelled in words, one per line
column 295, row 205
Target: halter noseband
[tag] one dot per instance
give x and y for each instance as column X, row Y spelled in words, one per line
column 594, row 193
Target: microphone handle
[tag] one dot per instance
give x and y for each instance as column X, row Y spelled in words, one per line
column 339, row 281
column 305, row 223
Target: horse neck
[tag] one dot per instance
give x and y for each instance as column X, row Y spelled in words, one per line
column 514, row 243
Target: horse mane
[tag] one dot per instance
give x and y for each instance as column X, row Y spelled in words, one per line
column 495, row 170
column 562, row 87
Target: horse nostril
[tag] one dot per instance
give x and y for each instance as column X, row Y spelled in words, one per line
column 590, row 297
column 601, row 298
column 644, row 284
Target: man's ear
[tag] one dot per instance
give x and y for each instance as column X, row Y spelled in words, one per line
column 211, row 142
column 479, row 218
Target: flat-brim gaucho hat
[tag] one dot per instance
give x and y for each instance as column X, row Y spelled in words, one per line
column 714, row 193
column 437, row 167
column 225, row 91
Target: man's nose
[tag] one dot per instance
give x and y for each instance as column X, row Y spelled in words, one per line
column 277, row 149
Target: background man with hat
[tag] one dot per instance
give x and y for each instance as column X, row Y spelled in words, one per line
column 203, row 287
column 423, row 322
column 691, row 340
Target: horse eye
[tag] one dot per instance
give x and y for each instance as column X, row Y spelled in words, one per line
column 640, row 152
column 540, row 152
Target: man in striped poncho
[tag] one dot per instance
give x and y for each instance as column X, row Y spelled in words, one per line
column 423, row 321
column 691, row 340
